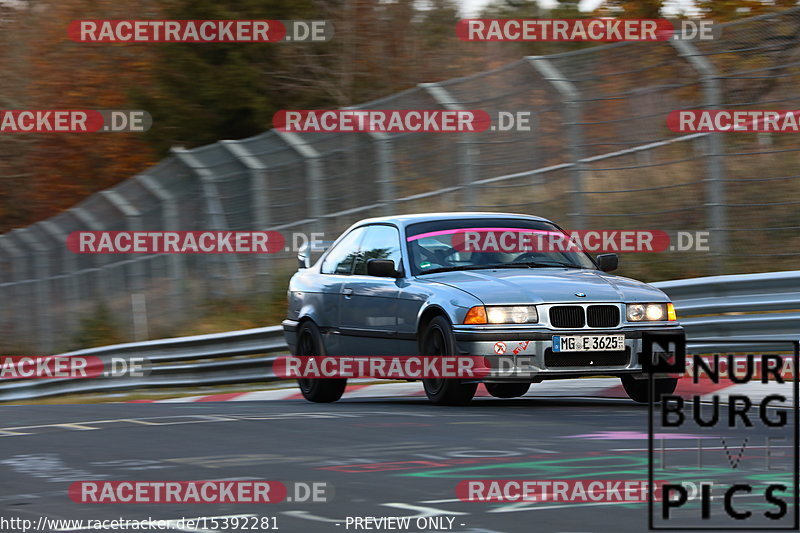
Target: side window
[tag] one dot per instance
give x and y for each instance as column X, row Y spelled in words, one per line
column 341, row 257
column 380, row 242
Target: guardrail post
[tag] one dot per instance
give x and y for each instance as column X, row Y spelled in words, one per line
column 176, row 268
column 214, row 212
column 315, row 185
column 467, row 146
column 70, row 282
column 18, row 259
column 138, row 300
column 716, row 216
column 41, row 291
column 258, row 173
column 572, row 111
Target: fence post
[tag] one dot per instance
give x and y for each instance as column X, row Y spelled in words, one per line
column 104, row 282
column 214, row 211
column 467, row 146
column 260, row 204
column 384, row 152
column 41, row 292
column 316, row 187
column 71, row 295
column 22, row 323
column 716, row 216
column 176, row 268
column 573, row 116
column 138, row 302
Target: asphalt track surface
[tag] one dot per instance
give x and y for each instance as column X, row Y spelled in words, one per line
column 383, row 457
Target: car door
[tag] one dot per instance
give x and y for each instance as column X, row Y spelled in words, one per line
column 368, row 304
column 336, row 268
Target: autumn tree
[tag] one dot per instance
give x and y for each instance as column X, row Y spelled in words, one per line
column 643, row 9
column 726, row 10
column 196, row 93
column 60, row 169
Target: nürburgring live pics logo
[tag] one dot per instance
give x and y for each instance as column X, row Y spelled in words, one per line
column 742, row 409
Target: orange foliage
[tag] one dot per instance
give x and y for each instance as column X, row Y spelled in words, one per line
column 64, row 168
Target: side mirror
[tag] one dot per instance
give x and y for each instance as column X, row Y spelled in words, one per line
column 382, row 268
column 608, row 262
column 304, row 259
column 304, row 256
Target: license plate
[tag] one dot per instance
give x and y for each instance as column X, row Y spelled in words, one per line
column 588, row 343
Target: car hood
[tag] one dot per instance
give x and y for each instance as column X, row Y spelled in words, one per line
column 547, row 285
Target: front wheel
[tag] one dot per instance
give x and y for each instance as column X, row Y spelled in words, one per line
column 309, row 342
column 438, row 339
column 639, row 389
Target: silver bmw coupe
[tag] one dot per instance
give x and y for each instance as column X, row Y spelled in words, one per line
column 413, row 285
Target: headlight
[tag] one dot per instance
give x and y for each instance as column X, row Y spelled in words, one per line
column 635, row 312
column 502, row 314
column 650, row 312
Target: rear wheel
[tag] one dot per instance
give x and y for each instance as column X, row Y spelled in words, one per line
column 507, row 390
column 438, row 339
column 309, row 342
column 639, row 389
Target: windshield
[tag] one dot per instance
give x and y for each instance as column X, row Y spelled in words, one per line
column 470, row 244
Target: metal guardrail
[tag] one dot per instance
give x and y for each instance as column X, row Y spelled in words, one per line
column 749, row 306
column 740, row 307
column 243, row 356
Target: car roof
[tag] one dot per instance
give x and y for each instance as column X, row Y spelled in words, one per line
column 405, row 220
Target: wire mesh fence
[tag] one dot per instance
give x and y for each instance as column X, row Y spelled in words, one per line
column 599, row 156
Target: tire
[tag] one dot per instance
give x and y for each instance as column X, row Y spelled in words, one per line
column 507, row 390
column 638, row 389
column 438, row 339
column 309, row 342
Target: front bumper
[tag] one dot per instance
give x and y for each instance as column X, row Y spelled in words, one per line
column 524, row 354
column 290, row 334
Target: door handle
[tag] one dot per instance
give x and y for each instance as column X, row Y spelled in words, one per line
column 347, row 293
